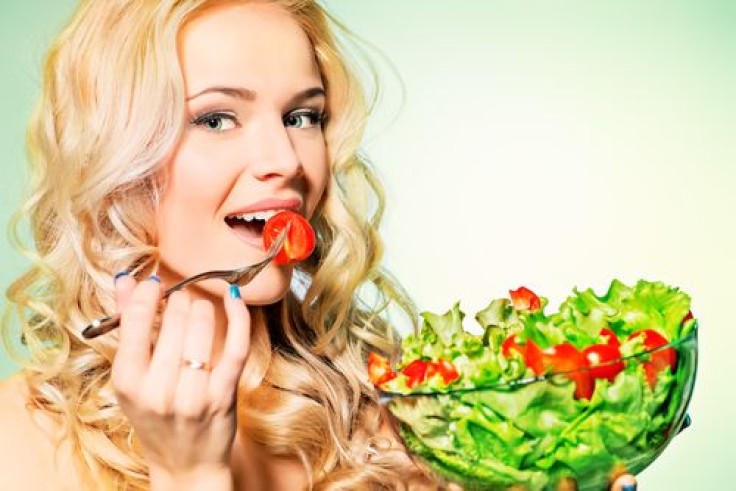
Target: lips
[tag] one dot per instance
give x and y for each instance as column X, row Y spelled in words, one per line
column 293, row 204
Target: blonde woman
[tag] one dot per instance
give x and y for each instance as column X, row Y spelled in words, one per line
column 164, row 126
column 160, row 123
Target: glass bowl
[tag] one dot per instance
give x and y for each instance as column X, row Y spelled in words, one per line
column 533, row 434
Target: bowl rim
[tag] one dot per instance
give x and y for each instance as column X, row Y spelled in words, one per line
column 520, row 382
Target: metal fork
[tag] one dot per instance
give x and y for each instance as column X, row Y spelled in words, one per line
column 240, row 276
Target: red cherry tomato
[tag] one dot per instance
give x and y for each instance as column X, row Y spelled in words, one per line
column 599, row 358
column 561, row 358
column 512, row 344
column 447, row 370
column 525, row 299
column 660, row 359
column 611, row 338
column 300, row 239
column 687, row 317
column 415, row 372
column 379, row 370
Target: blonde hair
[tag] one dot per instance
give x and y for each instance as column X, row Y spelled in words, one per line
column 112, row 108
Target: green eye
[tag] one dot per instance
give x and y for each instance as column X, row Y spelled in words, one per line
column 216, row 122
column 304, row 119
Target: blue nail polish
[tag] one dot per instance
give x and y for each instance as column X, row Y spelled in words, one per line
column 120, row 275
column 155, row 278
column 234, row 291
column 629, row 487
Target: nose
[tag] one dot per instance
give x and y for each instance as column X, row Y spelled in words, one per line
column 274, row 153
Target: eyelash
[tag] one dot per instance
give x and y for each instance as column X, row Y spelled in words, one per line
column 317, row 118
column 212, row 115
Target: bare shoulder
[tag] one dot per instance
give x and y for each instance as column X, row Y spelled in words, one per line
column 29, row 457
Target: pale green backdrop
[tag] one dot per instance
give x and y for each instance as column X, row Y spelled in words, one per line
column 545, row 143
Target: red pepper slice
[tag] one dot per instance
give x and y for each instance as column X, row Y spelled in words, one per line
column 599, row 358
column 447, row 370
column 415, row 372
column 379, row 370
column 610, row 337
column 561, row 358
column 512, row 344
column 525, row 299
column 660, row 359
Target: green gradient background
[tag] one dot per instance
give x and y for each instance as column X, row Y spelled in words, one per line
column 545, row 143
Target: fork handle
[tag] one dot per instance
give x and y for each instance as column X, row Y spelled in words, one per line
column 98, row 327
column 103, row 325
column 242, row 277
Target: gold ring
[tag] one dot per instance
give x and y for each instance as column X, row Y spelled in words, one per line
column 196, row 364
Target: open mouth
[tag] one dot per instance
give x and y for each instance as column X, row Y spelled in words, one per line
column 249, row 226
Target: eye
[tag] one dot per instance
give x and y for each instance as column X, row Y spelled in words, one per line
column 216, row 121
column 304, row 118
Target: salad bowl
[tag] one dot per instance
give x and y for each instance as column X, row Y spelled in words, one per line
column 553, row 414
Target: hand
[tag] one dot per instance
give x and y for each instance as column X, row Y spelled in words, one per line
column 184, row 416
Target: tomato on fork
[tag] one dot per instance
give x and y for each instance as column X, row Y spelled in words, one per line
column 300, row 239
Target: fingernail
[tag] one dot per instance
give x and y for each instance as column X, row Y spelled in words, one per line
column 155, row 278
column 234, row 291
column 120, row 275
column 629, row 487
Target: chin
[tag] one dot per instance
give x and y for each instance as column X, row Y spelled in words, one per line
column 269, row 287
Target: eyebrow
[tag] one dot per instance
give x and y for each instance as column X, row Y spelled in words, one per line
column 250, row 95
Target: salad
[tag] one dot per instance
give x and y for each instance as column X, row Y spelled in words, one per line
column 582, row 393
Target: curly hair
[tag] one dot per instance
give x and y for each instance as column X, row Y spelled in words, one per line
column 111, row 109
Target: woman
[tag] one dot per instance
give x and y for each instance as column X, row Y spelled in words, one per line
column 161, row 121
column 166, row 132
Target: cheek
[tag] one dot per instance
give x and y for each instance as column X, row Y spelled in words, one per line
column 194, row 173
column 189, row 203
column 318, row 175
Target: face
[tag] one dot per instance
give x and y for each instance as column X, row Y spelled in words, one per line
column 252, row 145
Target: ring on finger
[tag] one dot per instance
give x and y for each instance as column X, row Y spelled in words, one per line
column 196, row 364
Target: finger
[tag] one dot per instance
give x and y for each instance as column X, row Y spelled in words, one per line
column 627, row 482
column 167, row 355
column 124, row 286
column 192, row 388
column 229, row 368
column 136, row 323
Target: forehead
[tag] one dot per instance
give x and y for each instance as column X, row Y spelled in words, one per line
column 256, row 45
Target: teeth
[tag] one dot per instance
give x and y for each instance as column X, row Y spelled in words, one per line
column 258, row 215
